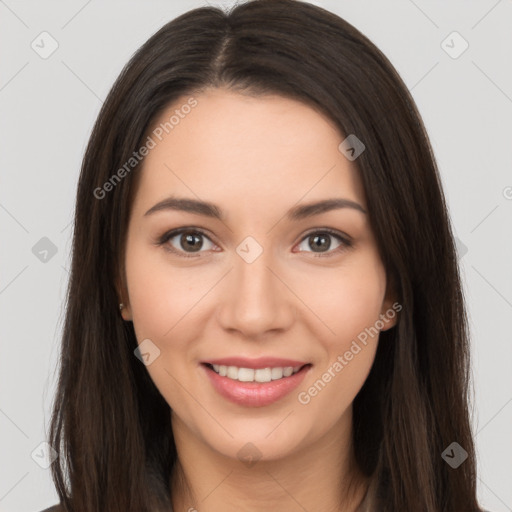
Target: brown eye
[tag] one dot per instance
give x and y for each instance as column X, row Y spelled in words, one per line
column 191, row 241
column 320, row 243
column 183, row 241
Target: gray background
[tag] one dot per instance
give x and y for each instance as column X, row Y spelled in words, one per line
column 48, row 106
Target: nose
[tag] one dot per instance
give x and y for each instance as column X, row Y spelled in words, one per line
column 256, row 299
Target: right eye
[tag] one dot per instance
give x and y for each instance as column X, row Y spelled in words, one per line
column 186, row 238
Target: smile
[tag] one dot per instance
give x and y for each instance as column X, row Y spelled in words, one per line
column 254, row 375
column 252, row 387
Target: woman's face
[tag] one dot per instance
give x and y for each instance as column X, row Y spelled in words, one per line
column 256, row 282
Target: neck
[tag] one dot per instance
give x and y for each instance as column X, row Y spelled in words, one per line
column 323, row 477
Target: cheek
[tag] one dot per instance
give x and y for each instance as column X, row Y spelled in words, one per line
column 333, row 387
column 349, row 304
column 158, row 293
column 347, row 299
column 350, row 307
column 163, row 300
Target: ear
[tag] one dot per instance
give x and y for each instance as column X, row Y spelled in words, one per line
column 122, row 294
column 390, row 306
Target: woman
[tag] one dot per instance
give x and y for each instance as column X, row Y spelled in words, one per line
column 265, row 309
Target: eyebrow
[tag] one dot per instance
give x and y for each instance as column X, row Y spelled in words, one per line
column 211, row 210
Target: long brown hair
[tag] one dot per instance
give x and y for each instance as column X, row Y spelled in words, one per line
column 110, row 424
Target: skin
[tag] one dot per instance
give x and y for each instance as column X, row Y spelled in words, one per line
column 255, row 157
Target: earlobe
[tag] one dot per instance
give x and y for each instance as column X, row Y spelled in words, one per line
column 389, row 317
column 389, row 313
column 125, row 312
column 123, row 306
column 124, row 309
column 390, row 308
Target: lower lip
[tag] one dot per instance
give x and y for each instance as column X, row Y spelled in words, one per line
column 255, row 394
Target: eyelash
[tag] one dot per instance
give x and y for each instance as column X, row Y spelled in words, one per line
column 162, row 241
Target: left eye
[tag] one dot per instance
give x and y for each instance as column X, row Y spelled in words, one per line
column 317, row 239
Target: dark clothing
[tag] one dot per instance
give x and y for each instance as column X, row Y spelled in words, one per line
column 56, row 508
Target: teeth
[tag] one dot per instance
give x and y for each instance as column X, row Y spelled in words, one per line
column 252, row 375
column 276, row 373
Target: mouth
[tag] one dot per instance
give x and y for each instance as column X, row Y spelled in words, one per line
column 254, row 387
column 259, row 375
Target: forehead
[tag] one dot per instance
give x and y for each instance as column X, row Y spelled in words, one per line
column 234, row 147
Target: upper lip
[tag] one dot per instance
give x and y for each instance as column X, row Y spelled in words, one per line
column 260, row 362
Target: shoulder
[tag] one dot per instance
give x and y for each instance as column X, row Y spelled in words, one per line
column 55, row 508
